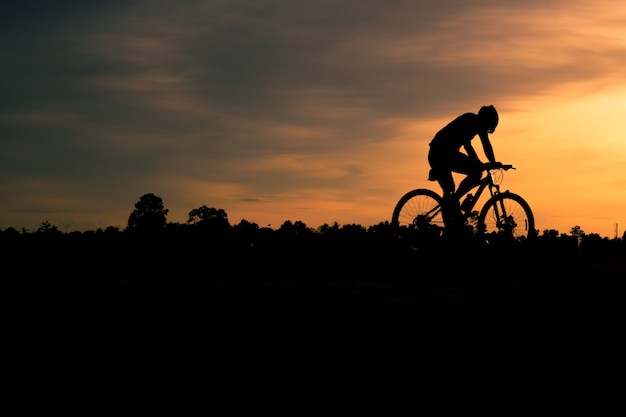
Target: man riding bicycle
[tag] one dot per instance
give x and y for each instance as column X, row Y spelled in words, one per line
column 445, row 157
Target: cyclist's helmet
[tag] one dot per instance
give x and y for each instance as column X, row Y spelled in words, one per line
column 488, row 117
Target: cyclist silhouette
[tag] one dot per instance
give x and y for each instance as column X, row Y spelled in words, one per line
column 445, row 157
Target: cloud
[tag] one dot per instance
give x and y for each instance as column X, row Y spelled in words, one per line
column 258, row 101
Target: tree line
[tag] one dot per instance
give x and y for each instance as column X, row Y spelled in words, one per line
column 148, row 221
column 206, row 256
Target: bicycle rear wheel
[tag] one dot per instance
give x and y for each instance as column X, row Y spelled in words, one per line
column 419, row 209
column 507, row 215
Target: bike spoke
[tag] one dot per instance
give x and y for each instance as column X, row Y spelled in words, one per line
column 507, row 215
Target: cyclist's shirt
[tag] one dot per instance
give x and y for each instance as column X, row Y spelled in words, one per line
column 455, row 134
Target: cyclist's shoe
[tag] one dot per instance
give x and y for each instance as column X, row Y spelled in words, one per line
column 451, row 210
column 467, row 204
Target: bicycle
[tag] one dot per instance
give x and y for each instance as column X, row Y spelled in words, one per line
column 504, row 214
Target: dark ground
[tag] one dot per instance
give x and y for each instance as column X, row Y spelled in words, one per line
column 346, row 269
column 339, row 318
column 299, row 278
column 315, row 310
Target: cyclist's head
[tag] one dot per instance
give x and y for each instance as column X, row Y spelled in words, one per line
column 488, row 117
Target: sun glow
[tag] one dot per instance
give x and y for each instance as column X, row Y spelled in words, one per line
column 571, row 148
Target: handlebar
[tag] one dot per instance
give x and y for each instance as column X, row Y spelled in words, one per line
column 497, row 165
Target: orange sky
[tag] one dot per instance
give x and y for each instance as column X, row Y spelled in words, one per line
column 312, row 111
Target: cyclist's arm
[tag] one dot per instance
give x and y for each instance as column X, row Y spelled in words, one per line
column 484, row 138
column 471, row 152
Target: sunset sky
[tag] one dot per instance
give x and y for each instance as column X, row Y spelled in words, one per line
column 318, row 111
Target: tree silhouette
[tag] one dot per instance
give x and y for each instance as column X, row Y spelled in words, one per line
column 48, row 229
column 577, row 233
column 294, row 229
column 206, row 215
column 209, row 221
column 246, row 226
column 149, row 215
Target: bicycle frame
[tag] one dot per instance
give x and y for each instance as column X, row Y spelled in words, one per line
column 502, row 214
column 486, row 181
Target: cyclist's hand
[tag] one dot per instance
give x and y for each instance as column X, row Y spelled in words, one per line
column 493, row 165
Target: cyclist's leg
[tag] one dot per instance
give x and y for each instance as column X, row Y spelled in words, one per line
column 442, row 164
column 451, row 212
column 450, row 206
column 471, row 168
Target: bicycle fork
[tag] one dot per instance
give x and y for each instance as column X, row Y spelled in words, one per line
column 504, row 222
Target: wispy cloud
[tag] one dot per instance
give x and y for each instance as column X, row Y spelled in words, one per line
column 225, row 102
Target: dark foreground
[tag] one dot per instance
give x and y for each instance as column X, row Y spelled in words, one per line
column 339, row 309
column 385, row 273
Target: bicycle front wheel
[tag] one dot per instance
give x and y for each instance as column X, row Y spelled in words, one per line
column 419, row 209
column 507, row 215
